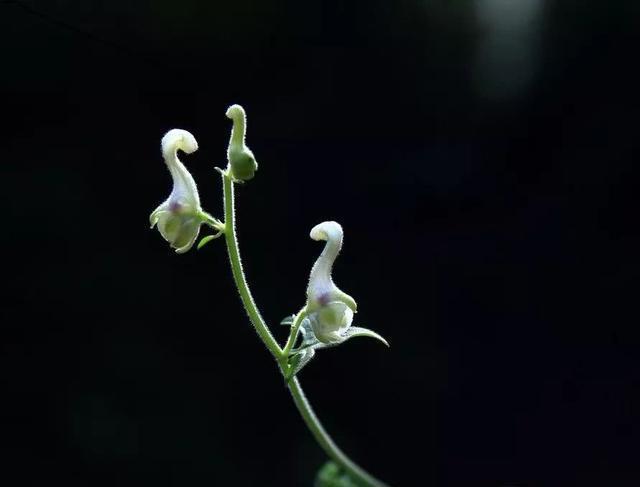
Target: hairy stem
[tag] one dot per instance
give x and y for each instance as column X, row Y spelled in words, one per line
column 238, row 275
column 300, row 400
column 325, row 441
column 294, row 332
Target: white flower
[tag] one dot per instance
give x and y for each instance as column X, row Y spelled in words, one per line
column 180, row 216
column 330, row 311
column 326, row 319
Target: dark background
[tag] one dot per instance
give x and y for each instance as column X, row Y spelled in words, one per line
column 482, row 158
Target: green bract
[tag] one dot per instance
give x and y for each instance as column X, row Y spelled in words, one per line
column 242, row 162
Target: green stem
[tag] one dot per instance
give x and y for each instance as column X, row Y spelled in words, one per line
column 325, row 441
column 300, row 400
column 238, row 275
column 294, row 332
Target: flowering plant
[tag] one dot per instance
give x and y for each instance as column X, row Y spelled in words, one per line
column 326, row 318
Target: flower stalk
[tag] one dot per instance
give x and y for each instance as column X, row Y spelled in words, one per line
column 236, row 268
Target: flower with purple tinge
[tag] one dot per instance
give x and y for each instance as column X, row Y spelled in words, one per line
column 330, row 311
column 180, row 216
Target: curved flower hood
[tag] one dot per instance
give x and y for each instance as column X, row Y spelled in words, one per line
column 180, row 216
column 330, row 310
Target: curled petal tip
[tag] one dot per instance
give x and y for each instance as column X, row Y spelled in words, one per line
column 178, row 139
column 330, row 231
column 235, row 111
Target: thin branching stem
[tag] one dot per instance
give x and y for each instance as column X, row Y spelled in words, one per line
column 295, row 327
column 325, row 441
column 299, row 398
column 238, row 274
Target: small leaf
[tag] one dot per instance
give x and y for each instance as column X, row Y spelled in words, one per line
column 299, row 360
column 288, row 321
column 308, row 337
column 205, row 240
column 331, row 475
column 356, row 331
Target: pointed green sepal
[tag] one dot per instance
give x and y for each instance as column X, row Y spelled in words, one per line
column 205, row 240
column 288, row 321
column 299, row 361
column 357, row 331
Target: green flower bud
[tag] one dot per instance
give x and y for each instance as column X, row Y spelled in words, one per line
column 180, row 216
column 330, row 311
column 242, row 162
